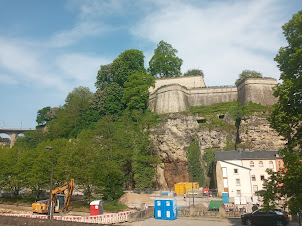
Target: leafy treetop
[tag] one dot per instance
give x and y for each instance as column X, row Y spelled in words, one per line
column 247, row 74
column 136, row 94
column 128, row 62
column 191, row 72
column 286, row 117
column 45, row 115
column 165, row 63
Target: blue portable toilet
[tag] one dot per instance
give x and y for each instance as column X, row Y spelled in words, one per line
column 165, row 209
column 225, row 197
column 158, row 209
column 170, row 209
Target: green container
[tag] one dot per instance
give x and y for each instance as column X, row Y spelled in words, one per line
column 214, row 205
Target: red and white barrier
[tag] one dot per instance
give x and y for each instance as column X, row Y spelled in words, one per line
column 100, row 219
column 230, row 205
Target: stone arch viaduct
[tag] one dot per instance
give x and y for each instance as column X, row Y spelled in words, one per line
column 13, row 133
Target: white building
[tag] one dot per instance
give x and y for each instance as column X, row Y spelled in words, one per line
column 241, row 173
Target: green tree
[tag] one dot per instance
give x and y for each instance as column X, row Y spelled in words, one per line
column 192, row 72
column 194, row 162
column 45, row 115
column 42, row 117
column 208, row 161
column 37, row 166
column 286, row 117
column 128, row 62
column 247, row 74
column 104, row 76
column 31, row 139
column 71, row 118
column 165, row 63
column 12, row 175
column 136, row 93
column 109, row 100
column 271, row 190
column 142, row 162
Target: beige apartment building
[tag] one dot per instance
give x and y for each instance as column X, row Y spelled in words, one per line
column 241, row 173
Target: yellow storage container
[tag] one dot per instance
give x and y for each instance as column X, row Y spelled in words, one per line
column 179, row 188
column 189, row 185
column 182, row 187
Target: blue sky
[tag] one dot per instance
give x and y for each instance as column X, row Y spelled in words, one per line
column 47, row 48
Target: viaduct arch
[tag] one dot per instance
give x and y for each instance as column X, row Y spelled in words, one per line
column 13, row 133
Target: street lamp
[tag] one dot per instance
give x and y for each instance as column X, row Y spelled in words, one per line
column 192, row 189
column 50, row 203
column 192, row 184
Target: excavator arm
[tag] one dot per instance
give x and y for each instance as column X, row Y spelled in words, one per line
column 67, row 188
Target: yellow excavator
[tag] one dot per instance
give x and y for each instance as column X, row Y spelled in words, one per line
column 60, row 196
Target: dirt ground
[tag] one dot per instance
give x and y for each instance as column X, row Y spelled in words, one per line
column 26, row 209
column 4, row 220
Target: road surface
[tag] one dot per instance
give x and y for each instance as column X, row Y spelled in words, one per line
column 191, row 221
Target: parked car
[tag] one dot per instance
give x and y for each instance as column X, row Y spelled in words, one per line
column 265, row 217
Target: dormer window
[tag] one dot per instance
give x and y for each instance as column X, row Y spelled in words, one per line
column 251, row 164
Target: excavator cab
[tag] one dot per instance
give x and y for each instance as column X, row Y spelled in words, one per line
column 59, row 203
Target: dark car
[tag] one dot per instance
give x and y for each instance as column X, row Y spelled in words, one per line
column 265, row 217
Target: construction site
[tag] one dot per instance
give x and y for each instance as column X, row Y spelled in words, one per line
column 189, row 198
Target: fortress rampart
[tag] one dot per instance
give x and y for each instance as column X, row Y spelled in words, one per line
column 257, row 90
column 179, row 94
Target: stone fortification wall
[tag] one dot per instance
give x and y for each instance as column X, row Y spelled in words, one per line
column 257, row 90
column 189, row 82
column 176, row 98
column 212, row 95
column 169, row 99
column 178, row 94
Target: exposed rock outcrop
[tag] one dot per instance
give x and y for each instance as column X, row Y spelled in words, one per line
column 172, row 138
column 255, row 132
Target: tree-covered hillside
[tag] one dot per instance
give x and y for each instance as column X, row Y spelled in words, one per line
column 100, row 139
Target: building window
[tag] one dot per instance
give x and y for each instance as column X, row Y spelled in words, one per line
column 255, row 188
column 271, row 164
column 238, row 192
column 279, row 164
column 224, row 172
column 238, row 182
column 253, row 178
column 236, row 171
column 262, row 177
column 260, row 164
column 251, row 164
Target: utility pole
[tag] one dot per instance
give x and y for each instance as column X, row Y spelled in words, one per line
column 51, row 203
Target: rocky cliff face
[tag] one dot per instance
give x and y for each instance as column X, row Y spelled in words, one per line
column 172, row 138
column 256, row 134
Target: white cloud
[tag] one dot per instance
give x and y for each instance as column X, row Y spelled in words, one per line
column 221, row 38
column 26, row 64
column 80, row 68
column 79, row 31
column 96, row 8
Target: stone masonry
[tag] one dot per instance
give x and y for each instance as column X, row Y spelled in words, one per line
column 179, row 94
